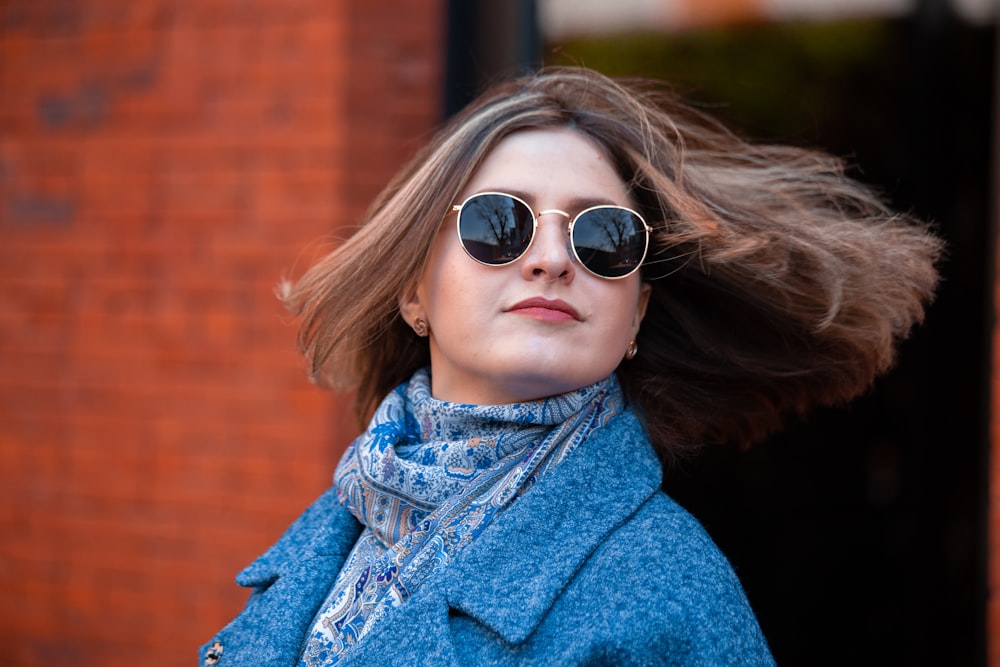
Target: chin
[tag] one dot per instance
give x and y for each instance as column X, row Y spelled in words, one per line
column 543, row 386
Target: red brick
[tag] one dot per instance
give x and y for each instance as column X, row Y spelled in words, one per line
column 151, row 394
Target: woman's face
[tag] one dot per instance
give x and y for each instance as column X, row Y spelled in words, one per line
column 488, row 343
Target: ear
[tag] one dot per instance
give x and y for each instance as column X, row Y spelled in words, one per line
column 409, row 305
column 645, row 290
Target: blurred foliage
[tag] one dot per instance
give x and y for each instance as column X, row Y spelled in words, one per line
column 787, row 81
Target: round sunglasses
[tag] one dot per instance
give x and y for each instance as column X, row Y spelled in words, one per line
column 496, row 228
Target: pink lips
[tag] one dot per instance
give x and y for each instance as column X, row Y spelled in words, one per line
column 544, row 309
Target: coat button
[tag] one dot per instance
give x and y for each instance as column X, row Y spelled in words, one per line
column 213, row 654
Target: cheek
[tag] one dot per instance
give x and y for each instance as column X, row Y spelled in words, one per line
column 436, row 280
column 453, row 293
column 623, row 310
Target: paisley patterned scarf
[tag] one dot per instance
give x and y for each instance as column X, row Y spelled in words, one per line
column 425, row 479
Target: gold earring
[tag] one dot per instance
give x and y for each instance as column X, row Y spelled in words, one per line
column 631, row 350
column 420, row 327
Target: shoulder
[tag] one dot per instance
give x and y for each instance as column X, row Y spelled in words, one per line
column 657, row 590
column 664, row 534
column 324, row 528
column 664, row 546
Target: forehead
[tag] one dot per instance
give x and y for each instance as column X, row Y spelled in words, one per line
column 551, row 163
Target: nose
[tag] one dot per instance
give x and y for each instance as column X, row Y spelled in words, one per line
column 549, row 256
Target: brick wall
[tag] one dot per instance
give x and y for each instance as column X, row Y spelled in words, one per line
column 162, row 165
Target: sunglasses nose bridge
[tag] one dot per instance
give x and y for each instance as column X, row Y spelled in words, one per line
column 553, row 210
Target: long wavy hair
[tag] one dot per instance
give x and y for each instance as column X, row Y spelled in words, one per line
column 778, row 283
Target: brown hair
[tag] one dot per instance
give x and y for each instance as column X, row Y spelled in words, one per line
column 777, row 282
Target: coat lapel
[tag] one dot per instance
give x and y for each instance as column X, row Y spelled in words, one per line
column 416, row 633
column 510, row 576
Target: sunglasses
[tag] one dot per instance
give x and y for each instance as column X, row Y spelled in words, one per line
column 608, row 241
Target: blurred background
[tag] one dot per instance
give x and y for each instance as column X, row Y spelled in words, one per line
column 163, row 164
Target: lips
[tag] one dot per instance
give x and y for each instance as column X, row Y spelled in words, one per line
column 545, row 309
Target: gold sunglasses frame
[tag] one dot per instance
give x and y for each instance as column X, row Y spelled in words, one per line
column 457, row 209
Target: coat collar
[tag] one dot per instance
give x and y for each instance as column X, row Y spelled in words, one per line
column 325, row 530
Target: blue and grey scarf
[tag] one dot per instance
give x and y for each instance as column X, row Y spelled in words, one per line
column 425, row 479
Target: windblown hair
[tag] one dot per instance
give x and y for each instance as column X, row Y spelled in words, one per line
column 778, row 283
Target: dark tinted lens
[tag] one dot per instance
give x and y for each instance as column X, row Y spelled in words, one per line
column 610, row 241
column 495, row 229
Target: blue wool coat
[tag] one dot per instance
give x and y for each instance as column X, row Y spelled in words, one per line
column 593, row 566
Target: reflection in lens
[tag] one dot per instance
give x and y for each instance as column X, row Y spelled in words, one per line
column 610, row 241
column 495, row 229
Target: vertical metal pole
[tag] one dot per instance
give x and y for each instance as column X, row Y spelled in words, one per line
column 992, row 496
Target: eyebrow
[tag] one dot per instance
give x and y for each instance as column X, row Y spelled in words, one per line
column 573, row 205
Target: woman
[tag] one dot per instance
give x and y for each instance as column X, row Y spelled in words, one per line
column 575, row 277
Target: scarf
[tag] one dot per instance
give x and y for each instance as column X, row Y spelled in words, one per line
column 425, row 479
